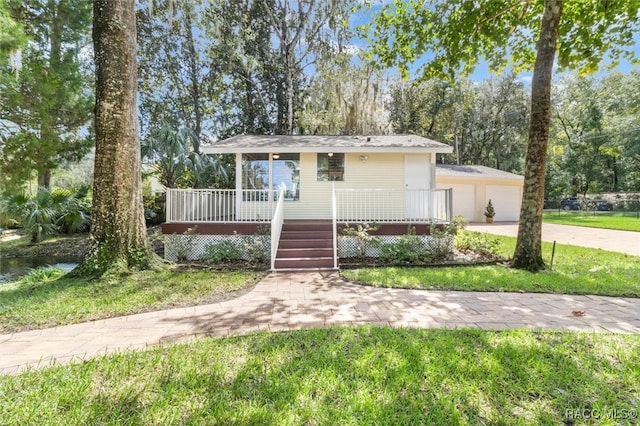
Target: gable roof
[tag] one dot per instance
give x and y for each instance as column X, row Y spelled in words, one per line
column 472, row 171
column 286, row 143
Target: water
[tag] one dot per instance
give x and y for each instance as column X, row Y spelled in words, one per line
column 11, row 269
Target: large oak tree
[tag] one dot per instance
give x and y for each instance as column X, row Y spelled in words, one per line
column 118, row 233
column 457, row 34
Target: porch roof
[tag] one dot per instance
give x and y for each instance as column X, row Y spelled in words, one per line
column 286, row 144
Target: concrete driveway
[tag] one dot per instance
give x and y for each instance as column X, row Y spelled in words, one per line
column 606, row 239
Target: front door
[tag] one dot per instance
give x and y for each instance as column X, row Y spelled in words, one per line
column 417, row 182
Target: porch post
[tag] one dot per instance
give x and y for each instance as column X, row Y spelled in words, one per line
column 238, row 186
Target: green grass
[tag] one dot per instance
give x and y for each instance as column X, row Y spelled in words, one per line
column 576, row 270
column 47, row 299
column 345, row 376
column 598, row 220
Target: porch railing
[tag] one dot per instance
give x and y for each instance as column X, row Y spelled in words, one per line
column 276, row 227
column 351, row 205
column 220, row 205
column 388, row 206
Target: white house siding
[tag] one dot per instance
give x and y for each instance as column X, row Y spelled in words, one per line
column 506, row 200
column 379, row 171
column 464, row 199
column 505, row 195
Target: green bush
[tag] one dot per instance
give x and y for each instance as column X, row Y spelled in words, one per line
column 183, row 246
column 477, row 242
column 408, row 249
column 256, row 249
column 224, row 251
column 362, row 238
column 49, row 212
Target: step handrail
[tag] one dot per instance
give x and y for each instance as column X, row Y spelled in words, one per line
column 334, row 225
column 276, row 227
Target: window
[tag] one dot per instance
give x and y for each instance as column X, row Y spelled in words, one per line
column 330, row 167
column 255, row 177
column 286, row 174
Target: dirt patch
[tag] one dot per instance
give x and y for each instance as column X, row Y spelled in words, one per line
column 69, row 246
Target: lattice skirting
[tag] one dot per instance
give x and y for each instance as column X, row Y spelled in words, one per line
column 349, row 246
column 193, row 247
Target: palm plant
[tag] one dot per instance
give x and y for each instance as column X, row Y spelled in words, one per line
column 177, row 164
column 37, row 214
column 74, row 212
column 48, row 212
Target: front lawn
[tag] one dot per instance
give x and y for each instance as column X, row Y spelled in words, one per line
column 46, row 299
column 576, row 270
column 629, row 222
column 344, row 376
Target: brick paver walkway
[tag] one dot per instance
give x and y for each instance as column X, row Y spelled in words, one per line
column 291, row 301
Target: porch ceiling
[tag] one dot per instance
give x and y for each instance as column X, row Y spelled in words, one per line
column 284, row 144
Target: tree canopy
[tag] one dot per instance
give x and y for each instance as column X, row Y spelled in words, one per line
column 454, row 36
column 45, row 105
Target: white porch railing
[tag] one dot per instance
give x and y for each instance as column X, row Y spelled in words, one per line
column 387, row 206
column 276, row 228
column 348, row 205
column 220, row 205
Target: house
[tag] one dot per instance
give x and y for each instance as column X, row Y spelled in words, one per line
column 473, row 187
column 294, row 194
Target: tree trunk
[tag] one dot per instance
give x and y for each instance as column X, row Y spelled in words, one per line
column 118, row 233
column 44, row 178
column 528, row 253
column 195, row 84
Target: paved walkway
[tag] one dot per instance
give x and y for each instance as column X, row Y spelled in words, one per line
column 292, row 301
column 606, row 239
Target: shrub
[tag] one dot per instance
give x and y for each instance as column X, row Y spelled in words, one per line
column 224, row 251
column 49, row 212
column 477, row 242
column 256, row 249
column 408, row 249
column 182, row 246
column 362, row 237
column 74, row 211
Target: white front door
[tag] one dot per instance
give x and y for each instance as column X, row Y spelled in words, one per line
column 417, row 180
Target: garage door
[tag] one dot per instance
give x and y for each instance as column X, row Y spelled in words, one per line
column 506, row 200
column 464, row 199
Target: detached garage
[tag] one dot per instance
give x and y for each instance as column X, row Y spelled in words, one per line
column 474, row 186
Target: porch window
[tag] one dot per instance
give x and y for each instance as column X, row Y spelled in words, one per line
column 286, row 174
column 255, row 177
column 330, row 167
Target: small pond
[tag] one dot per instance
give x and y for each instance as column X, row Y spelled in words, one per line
column 11, row 269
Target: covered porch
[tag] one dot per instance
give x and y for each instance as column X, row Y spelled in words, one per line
column 291, row 243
